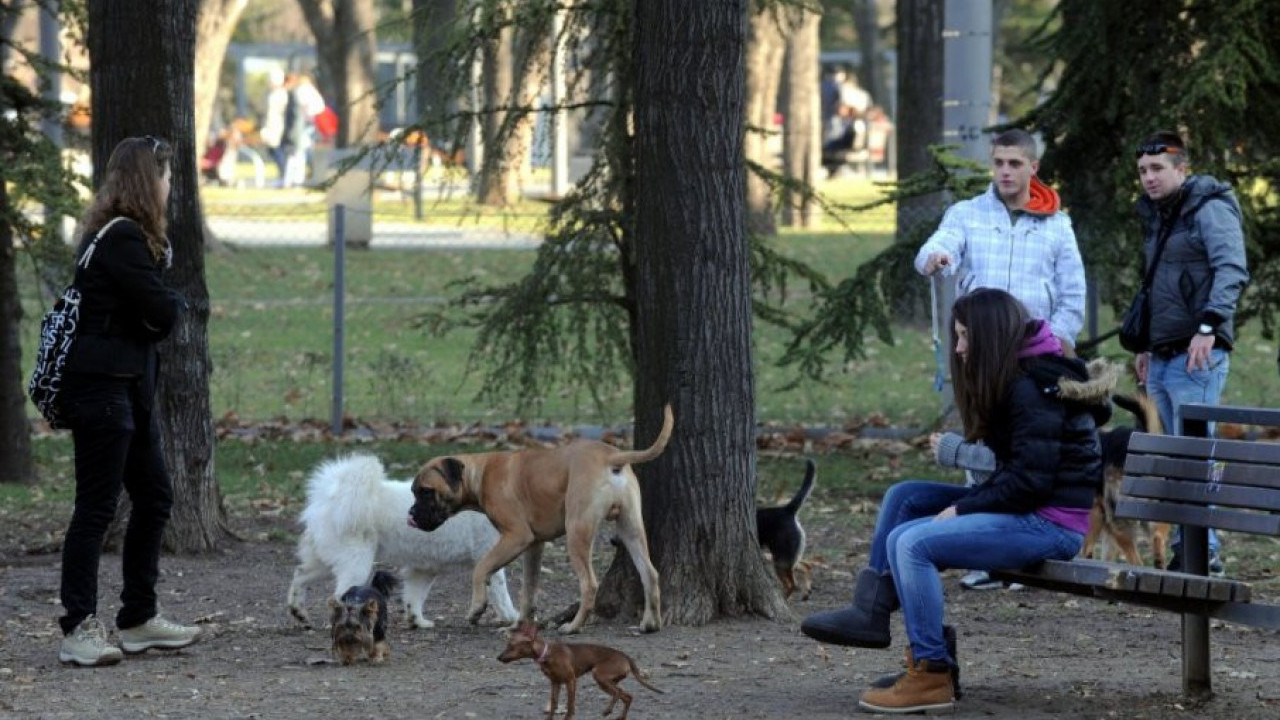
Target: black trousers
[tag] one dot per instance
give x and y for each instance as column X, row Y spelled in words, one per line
column 117, row 444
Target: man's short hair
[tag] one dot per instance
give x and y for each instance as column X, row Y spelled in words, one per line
column 1019, row 138
column 1164, row 142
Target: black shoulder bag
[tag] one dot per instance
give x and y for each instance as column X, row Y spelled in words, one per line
column 1135, row 328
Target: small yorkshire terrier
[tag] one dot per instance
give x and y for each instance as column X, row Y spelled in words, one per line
column 360, row 620
column 564, row 663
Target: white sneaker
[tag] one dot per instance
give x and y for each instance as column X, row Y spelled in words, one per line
column 87, row 645
column 975, row 580
column 158, row 633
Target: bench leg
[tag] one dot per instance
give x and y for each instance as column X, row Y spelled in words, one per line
column 1196, row 682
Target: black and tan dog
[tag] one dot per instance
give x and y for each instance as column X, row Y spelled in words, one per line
column 782, row 535
column 1103, row 523
column 533, row 496
column 360, row 620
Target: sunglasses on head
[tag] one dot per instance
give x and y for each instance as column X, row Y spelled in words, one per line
column 155, row 143
column 1156, row 149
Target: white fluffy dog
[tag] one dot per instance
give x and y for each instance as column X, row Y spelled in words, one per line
column 355, row 517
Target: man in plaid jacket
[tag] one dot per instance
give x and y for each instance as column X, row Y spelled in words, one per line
column 1016, row 238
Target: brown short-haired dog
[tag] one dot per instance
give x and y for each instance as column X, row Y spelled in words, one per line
column 564, row 663
column 532, row 496
column 1102, row 520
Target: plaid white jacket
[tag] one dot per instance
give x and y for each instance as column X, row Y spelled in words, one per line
column 1036, row 261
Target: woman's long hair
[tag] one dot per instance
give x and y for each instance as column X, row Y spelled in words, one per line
column 131, row 189
column 997, row 326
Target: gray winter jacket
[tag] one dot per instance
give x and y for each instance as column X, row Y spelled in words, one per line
column 1202, row 271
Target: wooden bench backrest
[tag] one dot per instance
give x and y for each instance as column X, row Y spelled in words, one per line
column 1225, row 484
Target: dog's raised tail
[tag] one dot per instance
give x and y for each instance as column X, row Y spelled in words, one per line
column 810, row 473
column 386, row 583
column 631, row 457
column 1143, row 409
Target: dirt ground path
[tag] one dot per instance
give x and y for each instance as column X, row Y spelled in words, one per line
column 1024, row 654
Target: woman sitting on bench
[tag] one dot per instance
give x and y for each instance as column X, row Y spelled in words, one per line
column 1038, row 411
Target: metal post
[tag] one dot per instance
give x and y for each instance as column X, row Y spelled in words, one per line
column 967, row 61
column 51, row 51
column 559, row 119
column 1196, row 681
column 339, row 296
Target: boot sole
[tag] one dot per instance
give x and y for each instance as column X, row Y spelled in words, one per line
column 929, row 709
column 832, row 637
column 141, row 647
column 76, row 660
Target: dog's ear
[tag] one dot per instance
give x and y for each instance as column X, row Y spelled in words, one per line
column 452, row 469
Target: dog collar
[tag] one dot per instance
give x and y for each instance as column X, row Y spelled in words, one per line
column 542, row 656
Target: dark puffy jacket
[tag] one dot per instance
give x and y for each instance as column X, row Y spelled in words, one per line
column 1203, row 270
column 1045, row 439
column 125, row 309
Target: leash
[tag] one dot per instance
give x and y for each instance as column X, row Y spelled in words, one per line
column 940, row 371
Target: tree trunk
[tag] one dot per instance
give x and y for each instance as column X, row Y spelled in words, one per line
column 498, row 78
column 146, row 86
column 802, row 143
column 432, row 20
column 764, row 54
column 693, row 292
column 866, row 22
column 346, row 48
column 919, row 121
column 15, row 431
column 533, row 62
column 216, row 22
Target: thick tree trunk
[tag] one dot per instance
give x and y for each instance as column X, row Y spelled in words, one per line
column 919, row 121
column 146, row 86
column 15, row 431
column 802, row 143
column 216, row 22
column 432, row 20
column 498, row 78
column 346, row 48
column 693, row 292
column 866, row 21
column 765, row 50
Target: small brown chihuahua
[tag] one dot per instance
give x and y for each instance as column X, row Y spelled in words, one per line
column 564, row 663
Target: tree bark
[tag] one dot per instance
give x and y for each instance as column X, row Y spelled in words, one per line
column 216, row 22
column 16, row 465
column 765, row 50
column 802, row 143
column 498, row 78
column 919, row 121
column 346, row 48
column 431, row 21
column 693, row 295
column 142, row 82
column 866, row 22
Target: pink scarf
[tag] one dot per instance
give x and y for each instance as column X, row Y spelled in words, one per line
column 1044, row 342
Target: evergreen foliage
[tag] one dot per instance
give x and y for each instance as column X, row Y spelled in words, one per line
column 1208, row 70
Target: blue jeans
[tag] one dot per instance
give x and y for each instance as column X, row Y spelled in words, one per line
column 1170, row 386
column 914, row 547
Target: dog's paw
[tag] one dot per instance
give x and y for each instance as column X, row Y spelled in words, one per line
column 475, row 613
column 421, row 623
column 569, row 629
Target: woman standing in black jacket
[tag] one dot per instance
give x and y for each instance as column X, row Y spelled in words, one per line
column 107, row 397
column 1038, row 411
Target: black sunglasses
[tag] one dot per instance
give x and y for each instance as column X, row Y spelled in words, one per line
column 1156, row 149
column 155, row 143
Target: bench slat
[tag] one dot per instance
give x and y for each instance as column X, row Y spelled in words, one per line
column 1075, row 575
column 1203, row 516
column 1232, row 473
column 1267, row 417
column 1201, row 493
column 1205, row 448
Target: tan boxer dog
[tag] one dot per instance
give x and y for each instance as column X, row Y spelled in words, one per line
column 533, row 496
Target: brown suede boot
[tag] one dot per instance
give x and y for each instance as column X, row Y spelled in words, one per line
column 926, row 687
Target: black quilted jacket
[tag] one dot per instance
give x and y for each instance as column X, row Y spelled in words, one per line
column 1045, row 439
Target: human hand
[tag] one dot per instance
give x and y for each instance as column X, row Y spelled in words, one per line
column 934, row 439
column 935, row 262
column 946, row 514
column 1141, row 363
column 1198, row 352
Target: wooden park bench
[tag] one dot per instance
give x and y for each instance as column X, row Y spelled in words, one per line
column 1197, row 482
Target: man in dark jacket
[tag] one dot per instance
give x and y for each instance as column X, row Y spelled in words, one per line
column 1194, row 235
